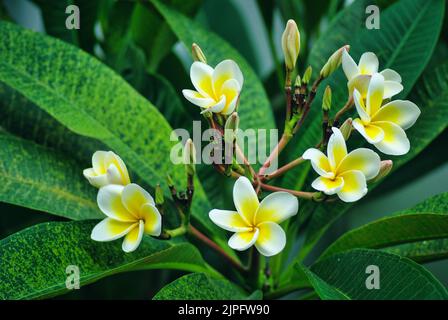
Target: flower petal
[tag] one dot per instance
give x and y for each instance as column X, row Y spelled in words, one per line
column 243, row 240
column 201, row 77
column 371, row 133
column 375, row 94
column 133, row 238
column 231, row 90
column 349, row 65
column 391, row 75
column 362, row 159
column 152, row 219
column 225, row 70
column 99, row 162
column 336, row 149
column 328, row 186
column 360, row 107
column 217, row 107
column 401, row 112
column 228, row 220
column 109, row 202
column 110, row 229
column 134, row 197
column 355, row 186
column 360, row 83
column 197, row 99
column 319, row 162
column 245, row 199
column 391, row 88
column 94, row 179
column 395, row 141
column 277, row 207
column 368, row 63
column 271, row 240
column 114, row 159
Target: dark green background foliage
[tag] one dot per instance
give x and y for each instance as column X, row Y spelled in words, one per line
column 116, row 84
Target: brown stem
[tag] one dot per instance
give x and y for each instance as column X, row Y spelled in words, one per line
column 278, row 148
column 308, row 103
column 344, row 109
column 284, row 169
column 204, row 239
column 300, row 194
column 288, row 103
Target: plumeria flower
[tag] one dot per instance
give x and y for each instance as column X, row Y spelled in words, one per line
column 217, row 90
column 383, row 126
column 359, row 75
column 107, row 168
column 130, row 211
column 256, row 223
column 341, row 173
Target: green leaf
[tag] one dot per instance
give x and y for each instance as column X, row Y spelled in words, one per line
column 422, row 251
column 198, row 286
column 324, row 290
column 22, row 118
column 345, row 275
column 39, row 178
column 391, row 231
column 254, row 109
column 33, row 262
column 93, row 101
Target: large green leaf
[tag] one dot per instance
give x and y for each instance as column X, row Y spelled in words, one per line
column 254, row 110
column 198, row 286
column 91, row 100
column 33, row 262
column 422, row 251
column 344, row 275
column 431, row 95
column 39, row 178
column 391, row 231
column 22, row 118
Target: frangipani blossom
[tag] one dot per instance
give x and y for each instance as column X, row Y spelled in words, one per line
column 256, row 223
column 383, row 126
column 107, row 168
column 130, row 211
column 359, row 75
column 341, row 173
column 217, row 90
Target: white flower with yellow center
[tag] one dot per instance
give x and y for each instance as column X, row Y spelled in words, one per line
column 256, row 223
column 383, row 126
column 217, row 90
column 359, row 75
column 341, row 173
column 107, row 168
column 130, row 211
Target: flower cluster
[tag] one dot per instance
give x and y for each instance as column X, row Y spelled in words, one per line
column 130, row 210
column 382, row 121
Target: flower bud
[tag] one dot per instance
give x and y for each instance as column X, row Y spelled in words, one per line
column 198, row 55
column 298, row 81
column 231, row 127
column 346, row 128
column 291, row 44
column 307, row 75
column 190, row 157
column 326, row 102
column 160, row 200
column 385, row 168
column 333, row 62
